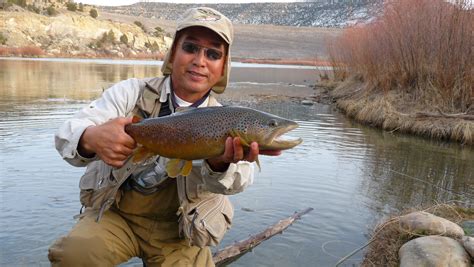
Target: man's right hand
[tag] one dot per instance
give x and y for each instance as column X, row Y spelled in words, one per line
column 109, row 141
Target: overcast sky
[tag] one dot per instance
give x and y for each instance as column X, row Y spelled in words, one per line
column 128, row 2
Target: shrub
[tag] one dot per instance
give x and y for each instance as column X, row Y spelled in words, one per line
column 81, row 7
column 33, row 8
column 154, row 47
column 51, row 11
column 139, row 24
column 423, row 47
column 3, row 39
column 93, row 13
column 21, row 3
column 159, row 31
column 71, row 6
column 124, row 39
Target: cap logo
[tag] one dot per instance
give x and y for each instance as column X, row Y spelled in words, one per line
column 207, row 15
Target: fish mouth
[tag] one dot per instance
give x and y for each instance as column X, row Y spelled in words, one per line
column 280, row 141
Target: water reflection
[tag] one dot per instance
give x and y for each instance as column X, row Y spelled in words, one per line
column 342, row 169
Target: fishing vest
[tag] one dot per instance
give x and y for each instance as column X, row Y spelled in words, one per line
column 100, row 184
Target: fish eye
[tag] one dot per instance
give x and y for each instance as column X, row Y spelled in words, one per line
column 273, row 123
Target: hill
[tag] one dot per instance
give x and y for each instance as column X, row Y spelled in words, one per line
column 322, row 13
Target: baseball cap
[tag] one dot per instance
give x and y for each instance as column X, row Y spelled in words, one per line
column 213, row 20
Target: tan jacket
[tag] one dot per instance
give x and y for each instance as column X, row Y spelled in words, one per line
column 100, row 184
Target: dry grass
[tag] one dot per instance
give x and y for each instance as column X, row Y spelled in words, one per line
column 26, row 51
column 422, row 47
column 382, row 110
column 387, row 237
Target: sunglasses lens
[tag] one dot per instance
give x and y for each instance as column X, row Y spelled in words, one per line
column 190, row 48
column 211, row 54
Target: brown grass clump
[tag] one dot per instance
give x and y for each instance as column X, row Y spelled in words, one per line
column 387, row 237
column 421, row 46
column 26, row 51
column 421, row 49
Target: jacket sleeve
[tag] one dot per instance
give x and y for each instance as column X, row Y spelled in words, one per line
column 237, row 177
column 117, row 101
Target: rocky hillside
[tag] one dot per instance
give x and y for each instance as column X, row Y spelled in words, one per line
column 77, row 34
column 319, row 13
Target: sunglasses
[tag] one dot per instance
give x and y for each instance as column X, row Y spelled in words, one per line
column 211, row 54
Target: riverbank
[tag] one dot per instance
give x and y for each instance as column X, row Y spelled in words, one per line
column 397, row 112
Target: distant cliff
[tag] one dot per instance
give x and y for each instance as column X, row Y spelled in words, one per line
column 75, row 34
column 323, row 13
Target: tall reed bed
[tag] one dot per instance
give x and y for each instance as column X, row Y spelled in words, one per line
column 424, row 48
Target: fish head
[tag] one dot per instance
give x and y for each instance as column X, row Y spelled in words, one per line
column 268, row 131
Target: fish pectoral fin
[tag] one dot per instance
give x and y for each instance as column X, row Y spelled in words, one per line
column 141, row 154
column 176, row 167
column 136, row 119
column 235, row 133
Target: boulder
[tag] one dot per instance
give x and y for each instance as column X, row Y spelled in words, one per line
column 433, row 251
column 424, row 223
column 468, row 243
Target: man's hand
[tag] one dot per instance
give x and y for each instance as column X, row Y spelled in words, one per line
column 234, row 152
column 109, row 141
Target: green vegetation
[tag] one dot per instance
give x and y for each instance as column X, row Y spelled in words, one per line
column 93, row 13
column 51, row 11
column 33, row 8
column 3, row 39
column 108, row 38
column 81, row 7
column 21, row 3
column 139, row 24
column 154, row 47
column 124, row 39
column 159, row 31
column 71, row 6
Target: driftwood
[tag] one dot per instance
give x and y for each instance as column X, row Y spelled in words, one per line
column 233, row 252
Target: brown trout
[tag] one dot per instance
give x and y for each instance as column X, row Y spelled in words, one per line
column 200, row 133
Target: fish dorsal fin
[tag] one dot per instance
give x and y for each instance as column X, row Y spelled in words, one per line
column 176, row 167
column 141, row 154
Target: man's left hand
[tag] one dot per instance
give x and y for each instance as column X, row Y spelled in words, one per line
column 234, row 152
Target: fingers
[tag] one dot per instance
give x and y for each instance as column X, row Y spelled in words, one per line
column 238, row 154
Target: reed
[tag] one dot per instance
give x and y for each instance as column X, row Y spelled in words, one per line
column 423, row 48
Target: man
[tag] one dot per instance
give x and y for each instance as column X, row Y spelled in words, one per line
column 136, row 210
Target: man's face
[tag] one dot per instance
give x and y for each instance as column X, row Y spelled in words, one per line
column 196, row 63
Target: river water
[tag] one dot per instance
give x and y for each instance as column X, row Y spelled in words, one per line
column 351, row 175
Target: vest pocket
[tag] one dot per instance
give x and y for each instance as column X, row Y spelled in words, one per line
column 95, row 183
column 204, row 223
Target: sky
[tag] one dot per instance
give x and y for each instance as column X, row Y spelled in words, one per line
column 128, row 2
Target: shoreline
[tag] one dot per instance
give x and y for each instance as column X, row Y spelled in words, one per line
column 397, row 113
column 276, row 63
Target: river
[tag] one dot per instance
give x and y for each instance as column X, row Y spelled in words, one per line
column 350, row 174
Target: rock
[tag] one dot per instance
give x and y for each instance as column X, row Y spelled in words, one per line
column 71, row 32
column 468, row 243
column 468, row 227
column 424, row 223
column 433, row 251
column 307, row 102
